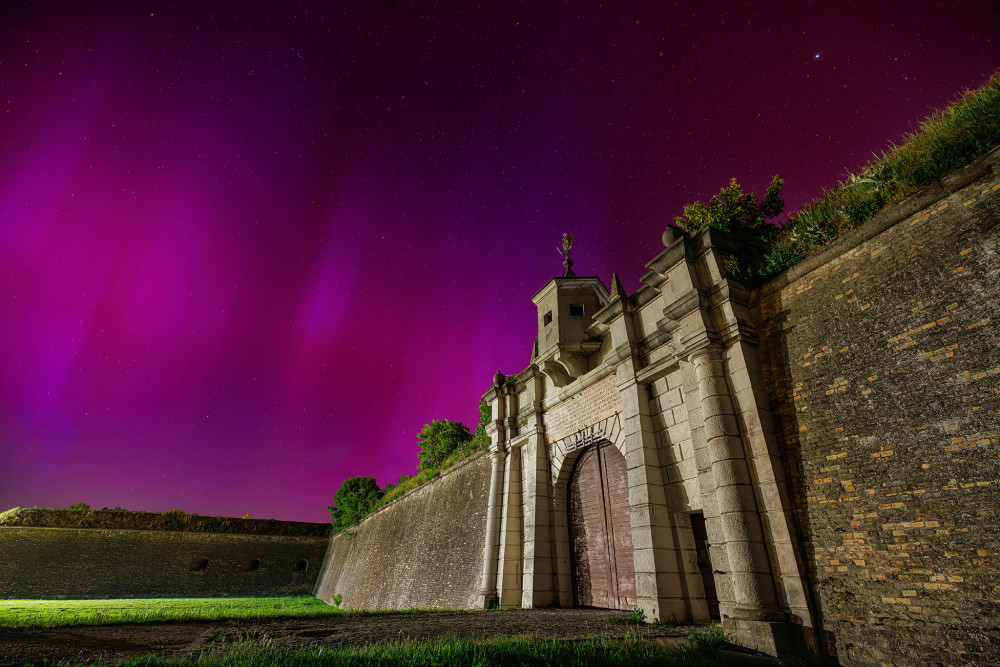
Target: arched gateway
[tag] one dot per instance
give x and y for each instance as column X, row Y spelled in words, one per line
column 600, row 532
column 637, row 442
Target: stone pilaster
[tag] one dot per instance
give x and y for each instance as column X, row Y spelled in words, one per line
column 509, row 571
column 658, row 579
column 538, row 571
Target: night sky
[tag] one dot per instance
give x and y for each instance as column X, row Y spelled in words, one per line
column 248, row 249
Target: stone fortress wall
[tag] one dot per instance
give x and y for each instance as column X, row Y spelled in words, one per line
column 817, row 463
column 98, row 563
column 422, row 550
column 828, row 443
column 882, row 364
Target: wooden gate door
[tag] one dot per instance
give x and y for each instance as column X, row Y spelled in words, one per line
column 600, row 530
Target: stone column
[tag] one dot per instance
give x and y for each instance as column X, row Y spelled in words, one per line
column 753, row 610
column 491, row 552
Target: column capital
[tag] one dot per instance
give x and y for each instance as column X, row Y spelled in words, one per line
column 703, row 349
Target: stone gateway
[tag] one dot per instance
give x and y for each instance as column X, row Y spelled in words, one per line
column 816, row 463
column 635, row 458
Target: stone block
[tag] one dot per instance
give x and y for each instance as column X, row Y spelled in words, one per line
column 736, row 498
column 748, row 557
column 741, row 526
column 645, row 486
column 723, row 587
column 714, row 406
column 752, row 590
column 669, row 610
column 645, row 583
column 721, row 425
column 728, row 470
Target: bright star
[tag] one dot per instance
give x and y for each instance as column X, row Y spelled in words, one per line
column 816, row 56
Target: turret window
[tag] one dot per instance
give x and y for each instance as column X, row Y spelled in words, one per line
column 547, row 319
column 576, row 310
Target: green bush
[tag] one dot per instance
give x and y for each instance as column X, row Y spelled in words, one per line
column 743, row 215
column 439, row 440
column 356, row 498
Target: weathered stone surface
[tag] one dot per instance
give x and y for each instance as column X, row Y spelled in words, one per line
column 883, row 367
column 423, row 550
column 97, row 563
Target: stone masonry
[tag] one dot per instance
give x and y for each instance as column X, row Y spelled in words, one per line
column 835, row 433
column 814, row 463
column 883, row 364
column 422, row 550
column 99, row 563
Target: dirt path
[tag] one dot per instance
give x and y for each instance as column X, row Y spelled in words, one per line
column 115, row 643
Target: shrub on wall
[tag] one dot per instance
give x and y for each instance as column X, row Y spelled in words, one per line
column 439, row 440
column 463, row 447
column 743, row 215
column 946, row 141
column 356, row 498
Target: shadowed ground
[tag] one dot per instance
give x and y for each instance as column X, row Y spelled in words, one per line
column 86, row 644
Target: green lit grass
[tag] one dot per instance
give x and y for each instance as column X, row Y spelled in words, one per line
column 52, row 613
column 704, row 650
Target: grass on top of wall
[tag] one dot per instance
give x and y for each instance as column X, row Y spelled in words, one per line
column 425, row 476
column 945, row 142
column 52, row 613
column 704, row 650
column 83, row 516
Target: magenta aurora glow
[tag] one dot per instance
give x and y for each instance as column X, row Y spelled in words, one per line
column 246, row 251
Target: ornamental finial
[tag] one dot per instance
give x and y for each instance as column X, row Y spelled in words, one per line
column 567, row 243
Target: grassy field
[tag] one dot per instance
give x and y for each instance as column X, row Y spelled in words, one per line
column 704, row 651
column 52, row 613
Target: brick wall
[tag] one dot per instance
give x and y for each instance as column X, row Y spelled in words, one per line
column 589, row 406
column 423, row 550
column 96, row 563
column 883, row 369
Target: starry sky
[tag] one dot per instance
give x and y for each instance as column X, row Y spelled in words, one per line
column 247, row 249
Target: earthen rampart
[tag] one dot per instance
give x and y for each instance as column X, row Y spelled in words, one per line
column 98, row 563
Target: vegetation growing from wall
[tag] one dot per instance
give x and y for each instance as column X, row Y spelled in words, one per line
column 82, row 515
column 443, row 444
column 439, row 440
column 743, row 215
column 356, row 498
column 947, row 140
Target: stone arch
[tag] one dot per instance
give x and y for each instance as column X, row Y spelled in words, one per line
column 563, row 453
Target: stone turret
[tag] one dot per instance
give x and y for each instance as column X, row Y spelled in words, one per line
column 566, row 308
